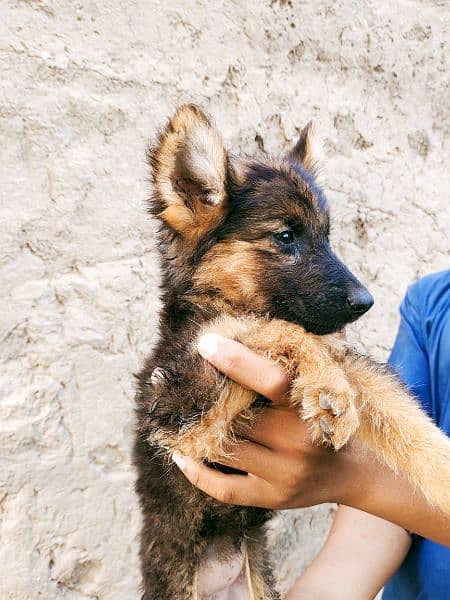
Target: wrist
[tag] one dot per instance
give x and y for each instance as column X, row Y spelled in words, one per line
column 354, row 476
column 333, row 478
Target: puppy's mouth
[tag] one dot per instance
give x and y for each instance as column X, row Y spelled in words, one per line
column 323, row 328
column 317, row 325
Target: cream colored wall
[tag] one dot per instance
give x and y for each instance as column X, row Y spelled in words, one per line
column 84, row 84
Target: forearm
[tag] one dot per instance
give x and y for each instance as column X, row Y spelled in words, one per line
column 360, row 554
column 372, row 487
column 362, row 550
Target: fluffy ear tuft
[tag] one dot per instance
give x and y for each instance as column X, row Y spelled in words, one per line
column 189, row 171
column 306, row 149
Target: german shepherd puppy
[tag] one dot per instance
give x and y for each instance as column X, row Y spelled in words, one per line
column 245, row 253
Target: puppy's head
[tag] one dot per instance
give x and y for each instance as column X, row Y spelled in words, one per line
column 252, row 232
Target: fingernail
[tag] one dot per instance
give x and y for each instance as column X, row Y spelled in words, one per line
column 179, row 460
column 208, row 345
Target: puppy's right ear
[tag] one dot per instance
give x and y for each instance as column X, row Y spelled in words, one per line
column 306, row 150
column 189, row 169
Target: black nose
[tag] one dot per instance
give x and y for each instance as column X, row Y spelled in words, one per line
column 359, row 301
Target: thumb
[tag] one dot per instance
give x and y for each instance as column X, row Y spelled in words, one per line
column 249, row 369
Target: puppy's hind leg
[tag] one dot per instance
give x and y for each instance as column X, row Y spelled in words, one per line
column 258, row 570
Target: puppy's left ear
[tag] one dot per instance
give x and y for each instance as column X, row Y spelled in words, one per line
column 306, row 150
column 189, row 166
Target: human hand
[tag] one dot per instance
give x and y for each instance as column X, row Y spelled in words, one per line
column 284, row 469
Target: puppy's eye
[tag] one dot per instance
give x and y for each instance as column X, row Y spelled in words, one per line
column 285, row 237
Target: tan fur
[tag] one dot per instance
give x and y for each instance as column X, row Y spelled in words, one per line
column 190, row 151
column 401, row 433
column 368, row 404
column 238, row 268
column 210, row 438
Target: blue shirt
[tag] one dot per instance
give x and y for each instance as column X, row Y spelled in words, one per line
column 421, row 356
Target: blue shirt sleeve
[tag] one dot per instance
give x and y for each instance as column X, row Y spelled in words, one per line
column 421, row 356
column 409, row 356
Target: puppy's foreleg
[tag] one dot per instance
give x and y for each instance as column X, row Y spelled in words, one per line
column 393, row 424
column 320, row 390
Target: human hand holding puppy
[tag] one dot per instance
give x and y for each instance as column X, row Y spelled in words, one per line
column 286, row 470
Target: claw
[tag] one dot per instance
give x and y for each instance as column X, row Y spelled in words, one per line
column 324, row 401
column 337, row 412
column 153, row 404
column 158, row 376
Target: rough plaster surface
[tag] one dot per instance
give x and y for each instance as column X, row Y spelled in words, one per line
column 83, row 86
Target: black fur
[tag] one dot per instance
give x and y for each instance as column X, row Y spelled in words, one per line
column 302, row 282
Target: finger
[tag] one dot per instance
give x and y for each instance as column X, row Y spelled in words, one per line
column 251, row 458
column 246, row 367
column 244, row 490
column 279, row 428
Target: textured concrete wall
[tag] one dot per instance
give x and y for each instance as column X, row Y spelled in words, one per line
column 84, row 84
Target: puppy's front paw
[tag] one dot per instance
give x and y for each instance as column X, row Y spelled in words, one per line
column 332, row 415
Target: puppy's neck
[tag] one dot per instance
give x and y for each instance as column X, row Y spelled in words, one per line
column 213, row 304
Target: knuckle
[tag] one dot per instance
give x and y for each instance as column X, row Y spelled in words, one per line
column 284, row 500
column 227, row 496
column 229, row 361
column 282, row 503
column 280, row 384
column 196, row 480
column 290, row 483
